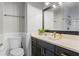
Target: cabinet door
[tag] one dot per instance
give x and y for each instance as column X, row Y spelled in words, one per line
column 46, row 45
column 33, row 50
column 48, row 49
column 65, row 52
column 39, row 51
column 49, row 53
column 33, row 46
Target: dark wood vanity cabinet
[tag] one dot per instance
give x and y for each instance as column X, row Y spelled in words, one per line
column 42, row 48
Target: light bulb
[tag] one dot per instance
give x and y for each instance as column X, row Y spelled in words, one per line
column 54, row 6
column 47, row 3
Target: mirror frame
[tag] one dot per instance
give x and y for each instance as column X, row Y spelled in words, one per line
column 43, row 16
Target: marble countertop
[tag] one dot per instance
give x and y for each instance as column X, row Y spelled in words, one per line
column 70, row 42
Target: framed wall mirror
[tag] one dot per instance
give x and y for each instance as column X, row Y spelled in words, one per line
column 61, row 17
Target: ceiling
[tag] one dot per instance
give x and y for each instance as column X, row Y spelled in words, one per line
column 41, row 5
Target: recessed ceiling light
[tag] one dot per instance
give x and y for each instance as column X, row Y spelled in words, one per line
column 47, row 3
column 54, row 6
column 60, row 3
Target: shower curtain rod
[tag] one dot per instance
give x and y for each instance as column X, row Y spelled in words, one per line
column 13, row 15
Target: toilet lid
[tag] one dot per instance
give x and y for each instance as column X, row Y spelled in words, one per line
column 17, row 52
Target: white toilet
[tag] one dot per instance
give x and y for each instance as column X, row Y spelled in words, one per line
column 15, row 46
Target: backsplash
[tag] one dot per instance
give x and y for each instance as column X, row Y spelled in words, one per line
column 64, row 32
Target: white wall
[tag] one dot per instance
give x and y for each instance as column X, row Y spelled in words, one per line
column 1, row 18
column 13, row 24
column 34, row 18
column 34, row 22
column 48, row 19
column 1, row 22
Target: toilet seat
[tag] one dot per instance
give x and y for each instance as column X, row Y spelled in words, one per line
column 17, row 52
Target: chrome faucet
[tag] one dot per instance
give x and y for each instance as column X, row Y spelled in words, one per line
column 57, row 35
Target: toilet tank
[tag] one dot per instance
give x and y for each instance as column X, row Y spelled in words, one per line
column 14, row 42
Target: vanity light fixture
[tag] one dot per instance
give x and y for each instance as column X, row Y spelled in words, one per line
column 47, row 3
column 54, row 5
column 60, row 3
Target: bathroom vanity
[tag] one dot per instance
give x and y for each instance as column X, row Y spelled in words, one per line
column 44, row 45
column 63, row 20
